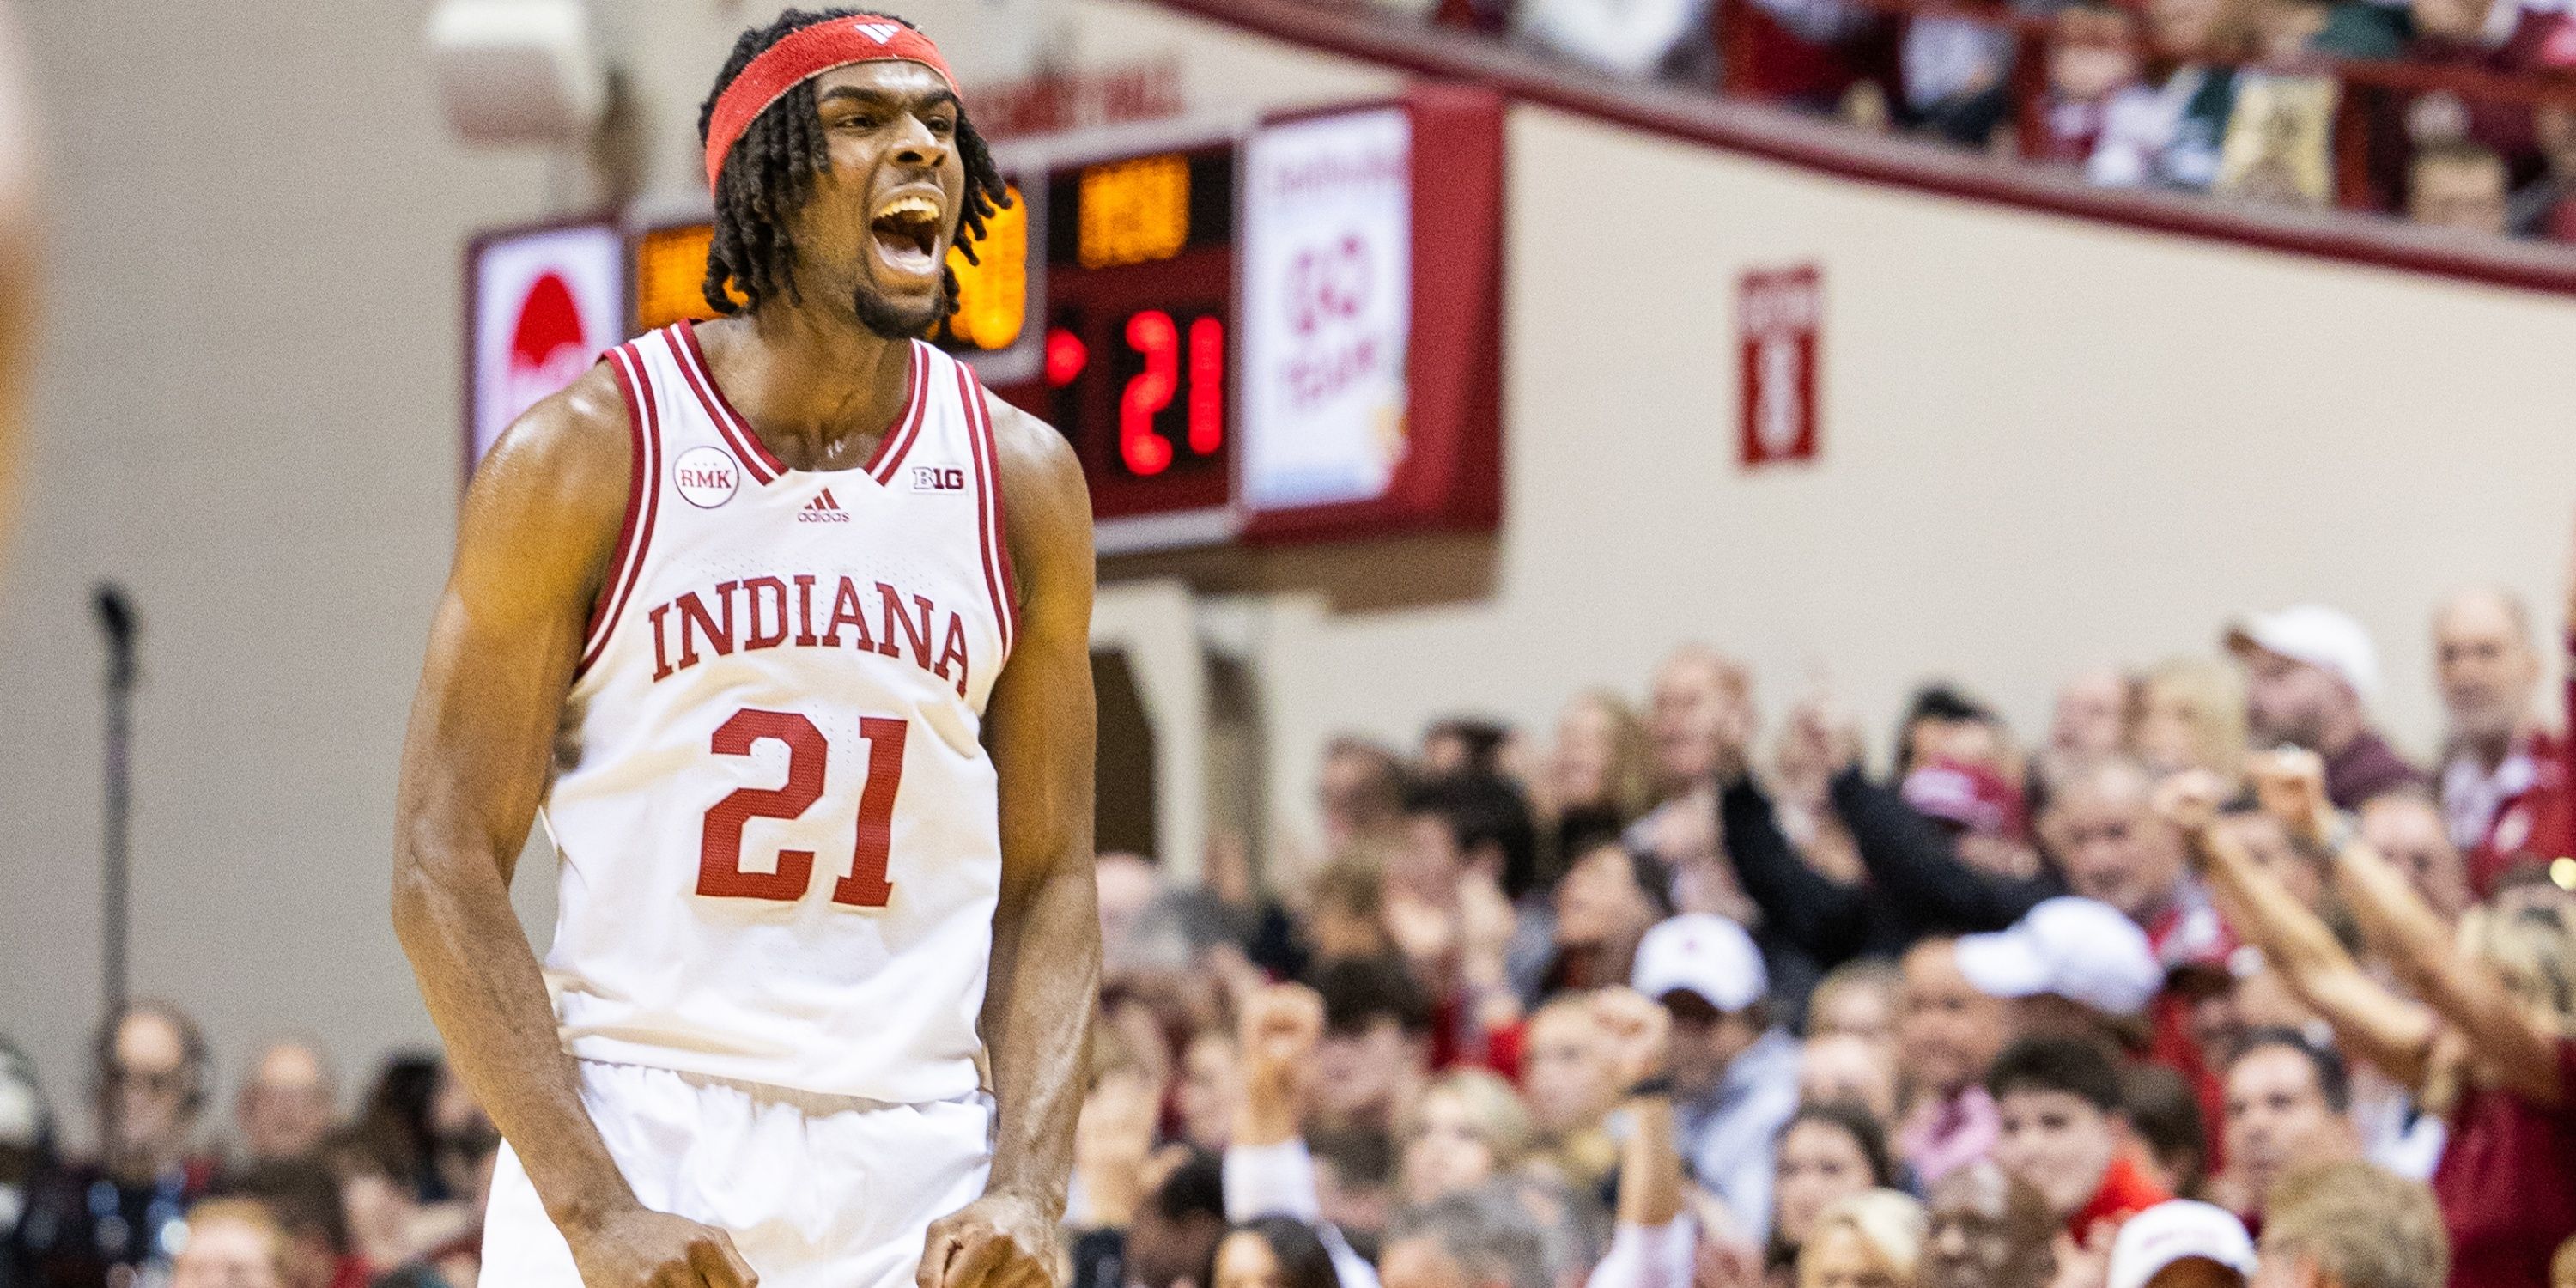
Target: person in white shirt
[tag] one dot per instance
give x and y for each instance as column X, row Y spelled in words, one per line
column 1731, row 1075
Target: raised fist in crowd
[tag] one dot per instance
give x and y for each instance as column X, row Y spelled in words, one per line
column 2291, row 785
column 1635, row 1030
column 1279, row 1029
column 2190, row 800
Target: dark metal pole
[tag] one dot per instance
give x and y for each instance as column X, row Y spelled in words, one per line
column 116, row 620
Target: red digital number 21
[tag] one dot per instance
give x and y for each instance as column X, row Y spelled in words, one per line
column 720, row 871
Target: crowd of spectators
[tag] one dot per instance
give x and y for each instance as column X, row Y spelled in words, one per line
column 296, row 1194
column 2453, row 113
column 2207, row 985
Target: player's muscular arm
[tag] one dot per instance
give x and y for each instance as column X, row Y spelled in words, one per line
column 1046, row 933
column 538, row 535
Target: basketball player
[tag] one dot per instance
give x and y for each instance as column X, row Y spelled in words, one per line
column 786, row 625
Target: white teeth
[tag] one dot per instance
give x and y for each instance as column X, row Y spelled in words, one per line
column 902, row 224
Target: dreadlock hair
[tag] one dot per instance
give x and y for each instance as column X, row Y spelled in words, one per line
column 770, row 173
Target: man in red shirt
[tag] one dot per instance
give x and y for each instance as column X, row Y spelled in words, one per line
column 2504, row 777
column 2468, row 35
column 2311, row 673
column 2066, row 1133
column 2112, row 846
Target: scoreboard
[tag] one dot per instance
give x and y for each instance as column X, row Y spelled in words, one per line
column 1264, row 330
column 1139, row 325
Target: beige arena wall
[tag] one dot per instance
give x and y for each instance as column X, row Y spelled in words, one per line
column 2048, row 443
column 245, row 410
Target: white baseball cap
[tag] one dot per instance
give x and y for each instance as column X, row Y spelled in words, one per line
column 2172, row 1231
column 2317, row 635
column 2080, row 949
column 1706, row 954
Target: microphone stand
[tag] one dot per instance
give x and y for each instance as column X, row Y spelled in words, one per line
column 116, row 620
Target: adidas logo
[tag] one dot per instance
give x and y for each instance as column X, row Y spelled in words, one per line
column 823, row 509
column 880, row 32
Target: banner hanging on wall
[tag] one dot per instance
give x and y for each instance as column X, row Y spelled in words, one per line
column 542, row 305
column 1778, row 316
column 1327, row 294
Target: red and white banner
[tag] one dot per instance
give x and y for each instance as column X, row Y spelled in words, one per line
column 1327, row 266
column 1777, row 321
column 543, row 305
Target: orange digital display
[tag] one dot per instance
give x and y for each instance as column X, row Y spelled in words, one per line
column 1134, row 212
column 671, row 268
column 993, row 294
column 670, row 275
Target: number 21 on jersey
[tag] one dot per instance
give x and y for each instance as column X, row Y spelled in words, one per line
column 720, row 870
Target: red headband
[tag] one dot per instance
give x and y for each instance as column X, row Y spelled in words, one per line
column 808, row 53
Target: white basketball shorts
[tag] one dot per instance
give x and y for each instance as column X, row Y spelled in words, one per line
column 817, row 1191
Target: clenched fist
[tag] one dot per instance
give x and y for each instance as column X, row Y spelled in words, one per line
column 997, row 1241
column 1278, row 1031
column 1636, row 1030
column 2291, row 785
column 638, row 1247
column 1280, row 1027
column 2190, row 800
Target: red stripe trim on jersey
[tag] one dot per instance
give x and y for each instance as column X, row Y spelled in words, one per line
column 682, row 340
column 756, row 459
column 898, row 441
column 990, row 531
column 643, row 499
column 978, row 447
column 1001, row 520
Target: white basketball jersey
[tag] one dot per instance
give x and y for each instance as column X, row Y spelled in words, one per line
column 779, row 834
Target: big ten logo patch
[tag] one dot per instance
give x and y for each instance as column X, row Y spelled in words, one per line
column 706, row 476
column 938, row 478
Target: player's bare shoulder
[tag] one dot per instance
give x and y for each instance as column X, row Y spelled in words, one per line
column 551, row 495
column 571, row 449
column 1043, row 493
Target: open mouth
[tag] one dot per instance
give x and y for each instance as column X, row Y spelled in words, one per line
column 906, row 232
